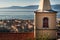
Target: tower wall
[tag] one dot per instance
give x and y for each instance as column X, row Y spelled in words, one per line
column 51, row 30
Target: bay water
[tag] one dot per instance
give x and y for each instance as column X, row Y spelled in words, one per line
column 19, row 14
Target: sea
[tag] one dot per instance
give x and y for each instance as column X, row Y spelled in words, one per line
column 20, row 14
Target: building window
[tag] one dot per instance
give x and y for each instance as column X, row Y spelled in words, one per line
column 45, row 22
column 58, row 34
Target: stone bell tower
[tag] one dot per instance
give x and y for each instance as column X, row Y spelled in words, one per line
column 45, row 21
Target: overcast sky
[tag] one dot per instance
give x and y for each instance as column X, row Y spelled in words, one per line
column 6, row 3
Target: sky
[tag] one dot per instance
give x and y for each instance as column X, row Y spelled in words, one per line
column 7, row 3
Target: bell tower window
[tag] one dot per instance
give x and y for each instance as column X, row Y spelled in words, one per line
column 45, row 22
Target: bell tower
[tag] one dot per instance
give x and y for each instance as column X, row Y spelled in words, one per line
column 45, row 21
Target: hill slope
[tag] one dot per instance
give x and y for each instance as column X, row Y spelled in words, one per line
column 57, row 6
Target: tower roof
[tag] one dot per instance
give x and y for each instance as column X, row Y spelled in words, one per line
column 44, row 5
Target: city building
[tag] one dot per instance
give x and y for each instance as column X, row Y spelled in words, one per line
column 45, row 21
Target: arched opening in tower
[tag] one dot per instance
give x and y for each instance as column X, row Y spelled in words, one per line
column 45, row 22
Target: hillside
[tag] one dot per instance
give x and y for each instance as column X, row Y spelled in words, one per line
column 57, row 6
